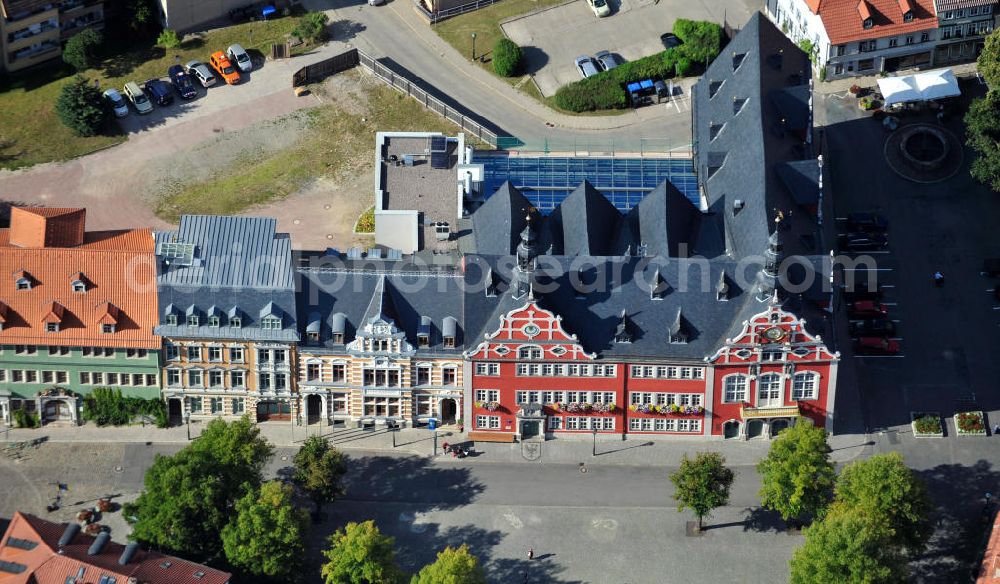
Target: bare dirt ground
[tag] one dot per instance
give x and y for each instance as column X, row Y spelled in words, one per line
column 118, row 185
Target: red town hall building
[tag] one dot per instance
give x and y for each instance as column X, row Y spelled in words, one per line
column 678, row 317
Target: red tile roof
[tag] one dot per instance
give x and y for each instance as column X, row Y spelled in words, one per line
column 844, row 19
column 46, row 226
column 117, row 267
column 46, row 565
column 813, row 5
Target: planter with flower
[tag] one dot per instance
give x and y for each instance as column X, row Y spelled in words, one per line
column 492, row 406
column 970, row 424
column 927, row 425
column 604, row 408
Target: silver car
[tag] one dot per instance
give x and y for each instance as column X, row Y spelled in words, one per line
column 238, row 56
column 585, row 65
column 606, row 60
column 115, row 101
column 200, row 71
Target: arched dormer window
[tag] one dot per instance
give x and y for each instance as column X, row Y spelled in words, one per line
column 529, row 352
column 23, row 283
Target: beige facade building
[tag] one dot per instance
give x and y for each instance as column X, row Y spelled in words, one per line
column 32, row 31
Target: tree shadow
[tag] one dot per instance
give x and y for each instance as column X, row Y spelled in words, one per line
column 345, row 30
column 763, row 520
column 962, row 521
column 7, row 152
column 192, row 42
column 533, row 59
column 123, row 63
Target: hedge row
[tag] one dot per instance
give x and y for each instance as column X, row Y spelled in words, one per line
column 606, row 90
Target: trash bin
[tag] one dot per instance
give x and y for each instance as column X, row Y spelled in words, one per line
column 432, row 424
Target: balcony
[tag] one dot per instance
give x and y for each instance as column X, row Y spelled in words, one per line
column 33, row 52
column 748, row 413
column 31, row 32
column 71, row 26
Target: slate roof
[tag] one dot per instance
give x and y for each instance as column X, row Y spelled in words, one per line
column 345, row 298
column 497, row 224
column 116, row 267
column 240, row 265
column 943, row 5
column 844, row 20
column 48, row 563
column 735, row 91
column 802, row 179
column 584, row 223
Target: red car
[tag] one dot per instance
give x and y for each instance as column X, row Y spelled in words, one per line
column 868, row 309
column 876, row 346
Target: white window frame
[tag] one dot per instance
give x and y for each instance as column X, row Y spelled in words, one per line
column 799, row 386
column 735, row 391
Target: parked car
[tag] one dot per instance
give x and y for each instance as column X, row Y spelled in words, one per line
column 872, row 327
column 867, row 309
column 861, row 291
column 669, row 40
column 876, row 346
column 238, row 55
column 376, row 2
column 115, row 102
column 200, row 71
column 600, row 8
column 585, row 65
column 220, row 63
column 607, row 60
column 137, row 97
column 159, row 92
column 864, row 241
column 182, row 82
column 867, row 222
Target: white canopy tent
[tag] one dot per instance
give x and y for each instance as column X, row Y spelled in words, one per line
column 919, row 87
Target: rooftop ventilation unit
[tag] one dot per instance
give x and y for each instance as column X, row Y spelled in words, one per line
column 128, row 554
column 102, row 540
column 71, row 530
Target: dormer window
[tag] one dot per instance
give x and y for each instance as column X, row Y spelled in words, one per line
column 908, row 16
column 213, row 321
column 738, row 60
column 449, row 342
column 449, row 331
column 172, row 319
column 312, row 336
column 423, row 340
column 714, row 130
column 270, row 323
column 868, row 23
column 107, row 329
column 23, row 284
column 738, row 103
column 79, row 286
column 338, row 338
column 713, row 88
column 192, row 320
column 52, row 327
column 235, row 321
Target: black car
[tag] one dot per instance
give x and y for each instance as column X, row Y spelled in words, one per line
column 864, row 241
column 872, row 327
column 867, row 222
column 182, row 82
column 159, row 92
column 860, row 291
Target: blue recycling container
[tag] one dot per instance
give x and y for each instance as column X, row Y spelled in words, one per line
column 432, row 424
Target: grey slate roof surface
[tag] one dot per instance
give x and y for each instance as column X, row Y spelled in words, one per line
column 801, row 178
column 662, row 221
column 499, row 221
column 242, row 266
column 754, row 140
column 584, row 223
column 349, row 296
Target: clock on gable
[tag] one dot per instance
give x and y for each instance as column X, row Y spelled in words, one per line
column 774, row 334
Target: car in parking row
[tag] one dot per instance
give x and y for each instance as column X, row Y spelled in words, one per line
column 115, row 102
column 138, row 98
column 220, row 63
column 201, row 72
column 182, row 82
column 600, row 8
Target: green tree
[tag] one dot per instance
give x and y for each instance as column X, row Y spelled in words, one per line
column 452, row 566
column 168, row 39
column 847, row 548
column 81, row 108
column 140, row 14
column 808, row 47
column 266, row 536
column 702, row 40
column 702, row 484
column 83, row 48
column 360, row 554
column 982, row 134
column 312, row 27
column 988, row 62
column 886, row 492
column 318, row 470
column 506, row 57
column 797, row 476
column 183, row 507
column 188, row 498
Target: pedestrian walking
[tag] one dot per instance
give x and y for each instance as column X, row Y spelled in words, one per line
column 938, row 279
column 996, row 429
column 531, row 553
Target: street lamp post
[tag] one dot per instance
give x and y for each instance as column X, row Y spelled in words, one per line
column 187, row 422
column 594, row 451
column 473, row 46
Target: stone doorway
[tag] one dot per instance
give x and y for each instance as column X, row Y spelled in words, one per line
column 755, row 429
column 448, row 411
column 314, row 408
column 731, row 429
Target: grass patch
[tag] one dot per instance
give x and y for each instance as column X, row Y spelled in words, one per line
column 366, row 222
column 335, row 143
column 30, row 130
column 457, row 32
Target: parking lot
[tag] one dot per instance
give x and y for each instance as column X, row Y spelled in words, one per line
column 551, row 39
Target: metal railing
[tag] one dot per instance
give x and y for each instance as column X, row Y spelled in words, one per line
column 439, row 15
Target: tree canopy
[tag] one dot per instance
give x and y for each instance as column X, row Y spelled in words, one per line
column 702, row 483
column 318, row 470
column 797, row 476
column 266, row 536
column 452, row 566
column 886, row 492
column 847, row 548
column 239, row 451
column 81, row 108
column 982, row 134
column 988, row 62
column 360, row 554
column 82, row 49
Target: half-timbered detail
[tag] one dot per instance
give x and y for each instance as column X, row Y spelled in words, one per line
column 381, row 345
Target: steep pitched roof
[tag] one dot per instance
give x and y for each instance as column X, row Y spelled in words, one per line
column 119, row 268
column 844, row 19
column 802, row 179
column 498, row 223
column 381, row 307
column 49, row 563
column 662, row 222
column 584, row 223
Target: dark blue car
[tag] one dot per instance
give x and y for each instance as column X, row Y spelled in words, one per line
column 182, row 82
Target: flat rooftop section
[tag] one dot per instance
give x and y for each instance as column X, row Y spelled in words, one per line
column 547, row 180
column 419, row 187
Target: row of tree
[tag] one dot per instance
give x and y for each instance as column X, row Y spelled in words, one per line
column 982, row 121
column 865, row 524
column 210, row 501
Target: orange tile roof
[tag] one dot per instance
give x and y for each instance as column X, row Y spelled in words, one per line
column 844, row 19
column 44, row 564
column 119, row 269
column 989, row 570
column 813, row 5
column 46, row 226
